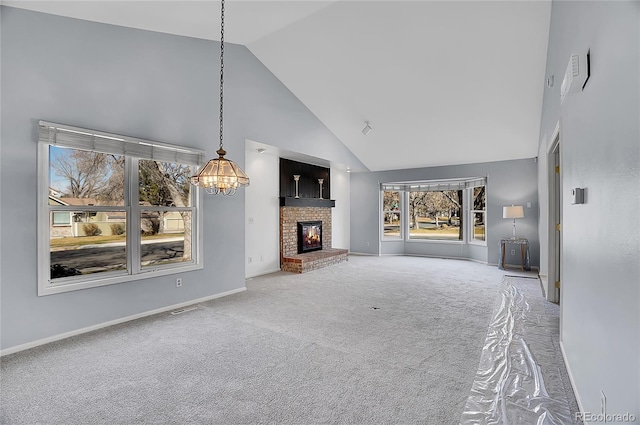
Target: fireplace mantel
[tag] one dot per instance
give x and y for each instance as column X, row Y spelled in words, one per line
column 306, row 202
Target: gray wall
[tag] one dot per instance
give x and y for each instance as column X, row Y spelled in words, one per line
column 508, row 182
column 136, row 83
column 600, row 151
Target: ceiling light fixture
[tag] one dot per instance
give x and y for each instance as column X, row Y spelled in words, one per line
column 221, row 175
column 367, row 128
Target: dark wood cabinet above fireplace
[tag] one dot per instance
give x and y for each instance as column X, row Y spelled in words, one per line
column 308, row 186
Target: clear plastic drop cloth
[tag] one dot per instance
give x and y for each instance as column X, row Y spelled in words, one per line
column 519, row 380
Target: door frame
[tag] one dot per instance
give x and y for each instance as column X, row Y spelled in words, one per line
column 554, row 217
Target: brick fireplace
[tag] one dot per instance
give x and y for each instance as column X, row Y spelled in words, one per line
column 305, row 198
column 290, row 260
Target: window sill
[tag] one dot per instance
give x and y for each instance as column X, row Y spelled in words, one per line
column 45, row 288
column 478, row 243
column 436, row 241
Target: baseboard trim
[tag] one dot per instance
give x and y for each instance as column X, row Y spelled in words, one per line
column 262, row 273
column 444, row 257
column 366, row 254
column 43, row 341
column 573, row 382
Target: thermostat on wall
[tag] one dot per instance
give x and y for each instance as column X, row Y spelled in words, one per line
column 576, row 75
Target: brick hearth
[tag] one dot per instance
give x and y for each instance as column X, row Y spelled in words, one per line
column 290, row 260
column 302, row 263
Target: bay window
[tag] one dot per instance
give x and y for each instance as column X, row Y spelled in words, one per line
column 436, row 210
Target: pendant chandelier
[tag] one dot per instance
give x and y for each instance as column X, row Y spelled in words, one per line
column 221, row 175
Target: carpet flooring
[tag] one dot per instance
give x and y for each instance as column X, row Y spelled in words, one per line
column 375, row 340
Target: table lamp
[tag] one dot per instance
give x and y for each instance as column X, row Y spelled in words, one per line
column 514, row 211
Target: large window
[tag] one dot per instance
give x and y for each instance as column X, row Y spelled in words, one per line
column 113, row 209
column 437, row 210
column 435, row 215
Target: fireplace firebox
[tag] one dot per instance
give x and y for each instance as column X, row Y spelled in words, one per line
column 309, row 236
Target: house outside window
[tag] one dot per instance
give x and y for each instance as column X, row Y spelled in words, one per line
column 116, row 209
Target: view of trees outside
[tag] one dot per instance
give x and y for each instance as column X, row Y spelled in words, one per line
column 391, row 212
column 435, row 215
column 479, row 211
column 92, row 238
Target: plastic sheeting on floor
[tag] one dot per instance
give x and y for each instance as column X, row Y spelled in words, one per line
column 518, row 379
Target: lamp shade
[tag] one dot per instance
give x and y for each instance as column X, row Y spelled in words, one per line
column 514, row 211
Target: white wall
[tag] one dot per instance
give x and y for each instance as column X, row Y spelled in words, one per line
column 340, row 216
column 600, row 151
column 262, row 214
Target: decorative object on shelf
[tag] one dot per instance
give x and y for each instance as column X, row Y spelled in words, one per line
column 514, row 211
column 320, row 183
column 296, row 177
column 367, row 128
column 221, row 175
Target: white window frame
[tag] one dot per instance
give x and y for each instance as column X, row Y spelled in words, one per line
column 143, row 149
column 401, row 211
column 464, row 184
column 409, row 239
column 470, row 221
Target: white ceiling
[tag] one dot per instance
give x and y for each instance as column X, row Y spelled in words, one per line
column 441, row 82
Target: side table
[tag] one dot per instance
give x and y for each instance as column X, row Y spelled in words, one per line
column 524, row 252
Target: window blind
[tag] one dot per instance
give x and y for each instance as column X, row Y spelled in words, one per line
column 433, row 185
column 98, row 141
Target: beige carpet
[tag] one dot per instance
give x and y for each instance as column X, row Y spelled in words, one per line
column 390, row 340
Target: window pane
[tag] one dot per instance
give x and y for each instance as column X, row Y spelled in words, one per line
column 478, row 226
column 61, row 218
column 479, row 198
column 392, row 215
column 94, row 242
column 164, row 184
column 479, row 213
column 82, row 178
column 435, row 215
column 166, row 237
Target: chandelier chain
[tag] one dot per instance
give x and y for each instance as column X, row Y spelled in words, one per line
column 221, row 70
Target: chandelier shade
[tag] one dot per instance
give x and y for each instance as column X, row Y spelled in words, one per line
column 220, row 176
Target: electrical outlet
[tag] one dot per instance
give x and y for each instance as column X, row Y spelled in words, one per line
column 249, row 260
column 513, row 252
column 261, row 258
column 178, row 282
column 367, row 243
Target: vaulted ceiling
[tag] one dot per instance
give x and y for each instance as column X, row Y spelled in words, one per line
column 440, row 82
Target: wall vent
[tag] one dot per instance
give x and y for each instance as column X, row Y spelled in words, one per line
column 576, row 75
column 183, row 310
